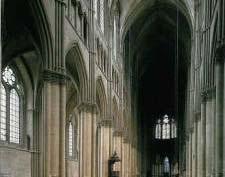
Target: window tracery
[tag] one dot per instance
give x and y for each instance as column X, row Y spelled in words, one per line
column 11, row 107
column 165, row 128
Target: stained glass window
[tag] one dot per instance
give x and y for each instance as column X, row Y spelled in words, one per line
column 114, row 36
column 102, row 18
column 14, row 117
column 165, row 128
column 174, row 129
column 8, row 76
column 96, row 8
column 70, row 138
column 158, row 130
column 166, row 165
column 3, row 114
column 10, row 107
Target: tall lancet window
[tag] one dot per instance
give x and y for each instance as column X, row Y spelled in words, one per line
column 158, row 130
column 11, row 107
column 102, row 15
column 3, row 114
column 166, row 128
column 14, row 117
column 114, row 36
column 173, row 129
column 70, row 140
column 166, row 165
column 96, row 8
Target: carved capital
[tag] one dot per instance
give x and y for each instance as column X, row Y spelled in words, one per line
column 106, row 122
column 187, row 137
column 191, row 130
column 74, row 2
column 197, row 116
column 118, row 132
column 61, row 2
column 54, row 77
column 126, row 138
column 207, row 94
column 220, row 53
column 203, row 97
column 88, row 107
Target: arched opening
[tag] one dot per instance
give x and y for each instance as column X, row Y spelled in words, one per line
column 26, row 47
column 102, row 105
column 157, row 46
column 76, row 94
column 76, row 68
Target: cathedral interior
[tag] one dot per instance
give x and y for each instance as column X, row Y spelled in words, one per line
column 112, row 88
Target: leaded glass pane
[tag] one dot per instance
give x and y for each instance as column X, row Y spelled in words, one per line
column 70, row 140
column 158, row 130
column 14, row 117
column 102, row 15
column 114, row 36
column 174, row 130
column 96, row 8
column 166, row 128
column 3, row 114
column 166, row 165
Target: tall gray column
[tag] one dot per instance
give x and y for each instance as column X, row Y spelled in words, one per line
column 87, row 114
column 219, row 115
column 209, row 131
column 0, row 42
column 52, row 134
column 199, row 147
column 203, row 137
column 0, row 48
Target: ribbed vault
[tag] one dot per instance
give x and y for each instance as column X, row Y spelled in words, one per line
column 157, row 47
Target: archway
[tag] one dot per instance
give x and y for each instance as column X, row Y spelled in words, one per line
column 76, row 67
column 158, row 49
column 26, row 47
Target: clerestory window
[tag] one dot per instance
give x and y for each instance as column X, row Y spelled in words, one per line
column 100, row 13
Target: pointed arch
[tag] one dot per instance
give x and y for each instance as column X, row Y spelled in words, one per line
column 115, row 6
column 139, row 7
column 35, row 36
column 44, row 31
column 101, row 97
column 75, row 65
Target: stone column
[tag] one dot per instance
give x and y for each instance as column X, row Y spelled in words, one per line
column 203, row 137
column 53, row 125
column 190, row 155
column 117, row 136
column 193, row 152
column 0, row 47
column 199, row 148
column 106, row 126
column 219, row 114
column 87, row 116
column 187, row 156
column 0, row 42
column 125, row 157
column 209, row 131
column 130, row 160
